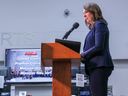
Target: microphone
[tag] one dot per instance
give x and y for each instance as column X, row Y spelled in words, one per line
column 75, row 26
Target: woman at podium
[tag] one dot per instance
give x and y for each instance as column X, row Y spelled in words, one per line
column 96, row 55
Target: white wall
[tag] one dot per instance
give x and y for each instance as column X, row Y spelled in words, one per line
column 28, row 23
column 119, row 78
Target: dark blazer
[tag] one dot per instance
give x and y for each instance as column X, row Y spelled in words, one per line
column 96, row 46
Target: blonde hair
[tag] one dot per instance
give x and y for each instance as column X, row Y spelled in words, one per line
column 94, row 9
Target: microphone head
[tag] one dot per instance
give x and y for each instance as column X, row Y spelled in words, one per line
column 75, row 25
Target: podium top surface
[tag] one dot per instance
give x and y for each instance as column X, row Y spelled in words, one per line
column 57, row 51
column 74, row 45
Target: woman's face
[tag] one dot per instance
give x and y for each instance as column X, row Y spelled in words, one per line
column 89, row 18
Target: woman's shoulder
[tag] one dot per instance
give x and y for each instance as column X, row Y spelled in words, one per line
column 100, row 24
column 101, row 21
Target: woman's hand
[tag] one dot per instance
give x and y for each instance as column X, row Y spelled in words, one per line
column 82, row 55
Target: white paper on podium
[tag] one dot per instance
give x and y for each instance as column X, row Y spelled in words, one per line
column 1, row 81
column 80, row 80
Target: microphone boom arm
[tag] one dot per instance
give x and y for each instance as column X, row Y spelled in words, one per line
column 68, row 33
column 75, row 26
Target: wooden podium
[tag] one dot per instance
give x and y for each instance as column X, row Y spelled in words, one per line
column 61, row 58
